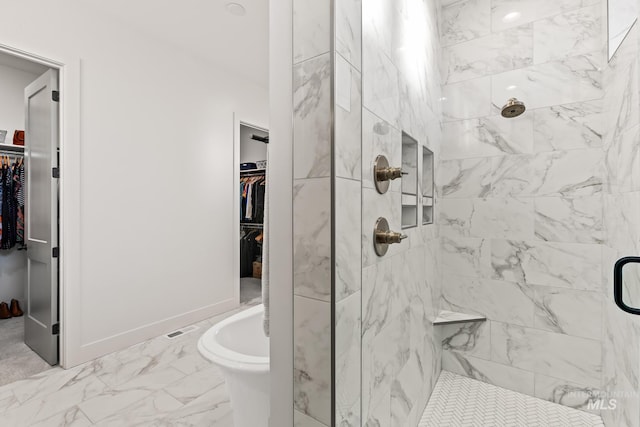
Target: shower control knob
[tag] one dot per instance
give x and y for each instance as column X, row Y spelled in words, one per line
column 383, row 237
column 383, row 173
column 389, row 237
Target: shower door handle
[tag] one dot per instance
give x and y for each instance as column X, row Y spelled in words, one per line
column 617, row 283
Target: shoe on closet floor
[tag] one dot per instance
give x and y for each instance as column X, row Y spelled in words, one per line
column 4, row 311
column 15, row 309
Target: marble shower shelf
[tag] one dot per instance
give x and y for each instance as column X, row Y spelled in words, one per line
column 449, row 317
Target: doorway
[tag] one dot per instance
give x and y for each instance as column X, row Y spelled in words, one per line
column 29, row 250
column 252, row 143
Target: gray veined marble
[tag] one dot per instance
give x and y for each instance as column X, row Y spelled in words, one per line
column 348, row 27
column 566, row 393
column 566, row 265
column 348, row 353
column 467, row 99
column 487, row 136
column 494, row 53
column 311, row 28
column 348, row 121
column 569, row 220
column 465, row 20
column 381, row 85
column 312, row 118
column 573, row 79
column 312, row 238
column 567, row 127
column 312, row 358
column 511, row 13
column 573, row 173
column 379, row 138
column 348, row 248
column 465, row 178
column 571, row 33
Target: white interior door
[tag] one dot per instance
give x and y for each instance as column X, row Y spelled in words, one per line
column 41, row 219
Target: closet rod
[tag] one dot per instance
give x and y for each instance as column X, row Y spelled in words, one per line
column 11, row 153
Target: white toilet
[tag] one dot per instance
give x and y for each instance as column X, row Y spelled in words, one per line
column 238, row 345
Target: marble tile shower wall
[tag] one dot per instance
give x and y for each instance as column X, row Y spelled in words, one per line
column 621, row 338
column 521, row 200
column 400, row 291
column 312, row 202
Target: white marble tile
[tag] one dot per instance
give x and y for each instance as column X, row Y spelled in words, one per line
column 405, row 391
column 488, row 218
column 302, row 420
column 621, row 103
column 557, row 355
column 576, row 313
column 348, row 27
column 488, row 136
column 44, row 407
column 489, row 372
column 148, row 411
column 379, row 138
column 8, row 400
column 466, row 178
column 572, row 33
column 466, row 256
column 380, row 83
column 348, row 361
column 567, row 127
column 468, row 339
column 311, row 28
column 511, row 176
column 348, row 247
column 348, row 121
column 568, row 220
column 620, row 218
column 312, row 238
column 574, row 173
column 497, row 300
column 510, row 13
column 195, row 385
column 494, row 53
column 210, row 409
column 72, row 417
column 312, row 358
column 466, row 100
column 111, row 402
column 574, row 79
column 312, row 118
column 565, row 265
column 151, row 381
column 622, row 162
column 565, row 393
column 465, row 20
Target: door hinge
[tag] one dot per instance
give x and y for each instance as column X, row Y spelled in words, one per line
column 55, row 172
column 55, row 329
column 55, row 96
column 55, row 252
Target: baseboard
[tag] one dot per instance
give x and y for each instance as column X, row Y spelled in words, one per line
column 96, row 349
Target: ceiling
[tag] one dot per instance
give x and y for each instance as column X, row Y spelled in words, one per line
column 203, row 28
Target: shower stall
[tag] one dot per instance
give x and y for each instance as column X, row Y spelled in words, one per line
column 510, row 131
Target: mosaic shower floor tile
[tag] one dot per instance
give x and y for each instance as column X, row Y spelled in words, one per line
column 459, row 401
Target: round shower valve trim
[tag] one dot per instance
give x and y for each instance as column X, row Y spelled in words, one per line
column 383, row 237
column 383, row 173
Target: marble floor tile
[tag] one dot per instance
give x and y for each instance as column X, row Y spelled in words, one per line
column 159, row 382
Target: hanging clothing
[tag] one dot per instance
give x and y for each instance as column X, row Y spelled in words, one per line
column 11, row 204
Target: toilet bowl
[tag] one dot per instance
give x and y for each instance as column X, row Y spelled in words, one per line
column 240, row 348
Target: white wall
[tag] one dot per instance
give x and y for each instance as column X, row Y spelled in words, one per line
column 13, row 263
column 154, row 180
column 250, row 149
column 281, row 198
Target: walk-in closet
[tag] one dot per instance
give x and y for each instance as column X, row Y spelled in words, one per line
column 26, row 91
column 253, row 187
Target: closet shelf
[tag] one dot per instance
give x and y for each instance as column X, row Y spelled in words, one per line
column 12, row 148
column 252, row 171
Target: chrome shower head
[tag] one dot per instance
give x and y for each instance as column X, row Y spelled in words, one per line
column 513, row 108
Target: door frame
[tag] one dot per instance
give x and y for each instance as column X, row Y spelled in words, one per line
column 69, row 348
column 237, row 123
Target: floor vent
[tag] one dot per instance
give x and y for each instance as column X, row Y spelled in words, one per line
column 181, row 332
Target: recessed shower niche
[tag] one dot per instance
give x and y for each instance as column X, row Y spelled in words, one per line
column 409, row 182
column 427, row 186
